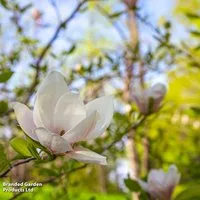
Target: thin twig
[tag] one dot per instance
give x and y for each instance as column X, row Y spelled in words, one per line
column 52, row 179
column 133, row 127
column 15, row 165
column 48, row 46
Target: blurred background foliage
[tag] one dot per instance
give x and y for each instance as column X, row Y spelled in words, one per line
column 92, row 50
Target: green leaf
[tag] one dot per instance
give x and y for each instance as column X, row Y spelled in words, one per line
column 4, row 3
column 4, row 164
column 20, row 146
column 48, row 172
column 3, row 107
column 151, row 103
column 143, row 196
column 195, row 33
column 71, row 50
column 132, row 185
column 167, row 25
column 196, row 110
column 191, row 193
column 116, row 14
column 33, row 151
column 25, row 8
column 5, row 75
column 193, row 16
column 34, row 144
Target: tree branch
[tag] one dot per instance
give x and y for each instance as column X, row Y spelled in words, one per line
column 133, row 127
column 15, row 165
column 48, row 46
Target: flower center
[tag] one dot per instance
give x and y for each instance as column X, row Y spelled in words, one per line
column 62, row 132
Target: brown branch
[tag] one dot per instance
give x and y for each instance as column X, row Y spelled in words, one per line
column 15, row 165
column 48, row 46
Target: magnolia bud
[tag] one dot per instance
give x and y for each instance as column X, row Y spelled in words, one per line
column 36, row 14
column 130, row 3
column 160, row 185
column 148, row 101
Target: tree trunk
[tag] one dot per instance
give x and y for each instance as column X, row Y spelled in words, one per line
column 145, row 158
column 131, row 147
column 102, row 171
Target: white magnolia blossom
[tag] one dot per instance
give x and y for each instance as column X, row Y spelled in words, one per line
column 60, row 119
column 160, row 185
column 149, row 100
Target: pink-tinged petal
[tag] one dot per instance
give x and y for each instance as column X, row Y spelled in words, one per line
column 156, row 176
column 172, row 177
column 85, row 155
column 69, row 111
column 50, row 90
column 157, row 93
column 25, row 119
column 54, row 143
column 141, row 99
column 161, row 184
column 83, row 130
column 105, row 108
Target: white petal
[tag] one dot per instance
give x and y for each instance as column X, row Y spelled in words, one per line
column 157, row 91
column 143, row 185
column 85, row 155
column 157, row 176
column 36, row 115
column 172, row 177
column 83, row 130
column 69, row 112
column 25, row 119
column 141, row 100
column 47, row 96
column 104, row 107
column 53, row 142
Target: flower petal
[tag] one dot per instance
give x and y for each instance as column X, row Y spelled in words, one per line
column 104, row 107
column 157, row 176
column 25, row 119
column 141, row 99
column 83, row 130
column 85, row 155
column 69, row 112
column 54, row 143
column 47, row 96
column 172, row 177
column 143, row 185
column 157, row 93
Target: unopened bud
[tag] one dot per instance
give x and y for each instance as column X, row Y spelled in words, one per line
column 36, row 14
column 160, row 185
column 148, row 101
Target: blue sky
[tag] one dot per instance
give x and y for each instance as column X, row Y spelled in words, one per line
column 78, row 28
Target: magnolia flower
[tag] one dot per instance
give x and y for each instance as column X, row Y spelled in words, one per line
column 149, row 100
column 160, row 185
column 60, row 119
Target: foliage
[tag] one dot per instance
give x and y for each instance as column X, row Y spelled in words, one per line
column 93, row 49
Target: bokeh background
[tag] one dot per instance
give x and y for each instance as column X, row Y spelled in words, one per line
column 106, row 47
